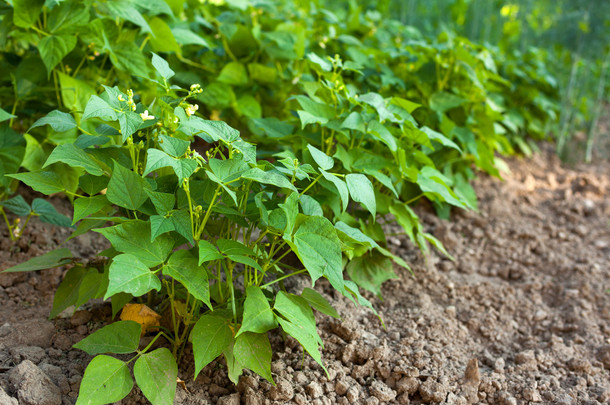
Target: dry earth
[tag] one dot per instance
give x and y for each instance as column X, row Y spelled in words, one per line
column 522, row 315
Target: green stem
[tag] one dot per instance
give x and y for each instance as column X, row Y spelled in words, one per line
column 208, row 212
column 283, row 278
column 311, row 185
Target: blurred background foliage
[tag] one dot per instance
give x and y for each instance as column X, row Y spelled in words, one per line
column 571, row 38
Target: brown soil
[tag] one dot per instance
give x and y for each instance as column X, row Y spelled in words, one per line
column 521, row 316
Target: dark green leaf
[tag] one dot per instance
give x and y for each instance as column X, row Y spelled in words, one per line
column 120, row 338
column 211, row 336
column 258, row 316
column 156, row 374
column 17, row 205
column 128, row 274
column 126, row 188
column 361, row 190
column 73, row 156
column 59, row 121
column 106, row 380
column 54, row 48
column 254, row 352
column 183, row 267
column 55, row 258
column 319, row 302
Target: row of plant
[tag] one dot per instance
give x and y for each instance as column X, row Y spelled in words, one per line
column 354, row 118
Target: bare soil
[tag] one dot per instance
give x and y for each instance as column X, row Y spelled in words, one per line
column 522, row 315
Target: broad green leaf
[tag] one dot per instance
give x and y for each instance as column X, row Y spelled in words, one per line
column 75, row 157
column 324, row 64
column 211, row 336
column 233, row 247
column 106, row 380
column 4, row 116
column 162, row 66
column 163, row 202
column 126, row 188
column 183, row 267
column 182, row 224
column 85, row 206
column 128, row 57
column 17, row 205
column 228, row 170
column 98, row 108
column 173, row 146
column 291, row 209
column 273, row 178
column 75, row 93
column 188, row 37
column 163, row 39
column 310, row 206
column 159, row 225
column 157, row 159
column 54, row 48
column 129, row 123
column 318, row 247
column 216, row 130
column 67, row 291
column 432, row 181
column 440, row 138
column 129, row 275
column 443, row 101
column 379, row 104
column 341, row 187
column 119, row 337
column 319, row 302
column 354, row 122
column 55, row 258
column 59, row 121
column 26, row 12
column 371, row 271
column 355, row 234
column 361, row 190
column 406, row 105
column 382, row 133
column 133, row 237
column 45, row 182
column 47, row 213
column 126, row 11
column 207, row 252
column 304, row 337
column 254, row 352
column 234, row 368
column 322, row 159
column 156, row 374
column 258, row 317
column 233, row 73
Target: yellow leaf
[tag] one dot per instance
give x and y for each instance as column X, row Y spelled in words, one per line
column 143, row 315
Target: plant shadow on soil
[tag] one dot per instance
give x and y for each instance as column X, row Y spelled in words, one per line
column 521, row 316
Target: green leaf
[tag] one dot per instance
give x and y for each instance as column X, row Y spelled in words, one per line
column 207, row 252
column 133, row 237
column 371, row 271
column 322, row 159
column 79, row 285
column 26, row 12
column 162, row 66
column 188, row 37
column 211, row 336
column 4, row 116
column 74, row 157
column 183, row 267
column 156, row 159
column 354, row 122
column 440, row 138
column 45, row 182
column 106, row 380
column 258, row 317
column 17, row 205
column 55, row 258
column 271, row 127
column 304, row 337
column 119, row 337
column 128, row 57
column 156, row 374
column 318, row 247
column 163, row 202
column 432, row 181
column 163, row 40
column 173, row 146
column 59, row 121
column 324, row 64
column 54, row 48
column 341, row 187
column 230, row 247
column 233, row 73
column 85, row 206
column 159, row 225
column 125, row 11
column 129, row 123
column 443, row 101
column 254, row 352
column 273, row 178
column 355, row 234
column 310, row 206
column 128, row 274
column 98, row 108
column 126, row 188
column 361, row 190
column 382, row 133
column 47, row 213
column 291, row 209
column 319, row 302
